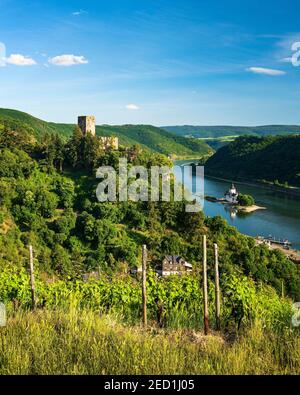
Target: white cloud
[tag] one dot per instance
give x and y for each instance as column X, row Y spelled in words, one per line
column 132, row 107
column 20, row 60
column 286, row 60
column 67, row 60
column 265, row 71
column 80, row 12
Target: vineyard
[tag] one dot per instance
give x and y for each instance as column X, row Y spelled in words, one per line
column 94, row 327
column 243, row 301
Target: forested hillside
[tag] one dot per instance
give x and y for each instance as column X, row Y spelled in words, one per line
column 158, row 140
column 150, row 137
column 37, row 126
column 275, row 159
column 47, row 198
column 223, row 131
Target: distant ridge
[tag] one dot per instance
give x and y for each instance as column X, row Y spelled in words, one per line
column 223, row 131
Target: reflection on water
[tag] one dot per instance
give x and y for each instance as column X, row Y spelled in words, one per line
column 281, row 219
column 233, row 212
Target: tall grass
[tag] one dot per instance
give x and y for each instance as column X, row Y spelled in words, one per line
column 82, row 341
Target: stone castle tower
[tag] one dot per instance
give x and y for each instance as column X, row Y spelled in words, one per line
column 87, row 124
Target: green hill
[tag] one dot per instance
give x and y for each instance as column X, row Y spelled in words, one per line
column 222, row 131
column 150, row 137
column 37, row 126
column 273, row 158
column 157, row 140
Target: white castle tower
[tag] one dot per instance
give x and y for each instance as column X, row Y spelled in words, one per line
column 232, row 194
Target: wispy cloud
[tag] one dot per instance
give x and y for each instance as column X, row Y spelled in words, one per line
column 265, row 71
column 20, row 60
column 67, row 60
column 80, row 12
column 286, row 60
column 287, row 41
column 132, row 107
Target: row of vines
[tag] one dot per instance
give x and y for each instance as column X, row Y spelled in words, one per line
column 177, row 299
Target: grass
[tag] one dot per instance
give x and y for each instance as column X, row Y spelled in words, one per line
column 77, row 341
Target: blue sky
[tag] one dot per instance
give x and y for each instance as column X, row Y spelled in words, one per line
column 161, row 62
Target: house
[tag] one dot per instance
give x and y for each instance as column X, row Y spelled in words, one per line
column 136, row 270
column 173, row 264
column 231, row 195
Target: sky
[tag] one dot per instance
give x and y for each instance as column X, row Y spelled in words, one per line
column 162, row 62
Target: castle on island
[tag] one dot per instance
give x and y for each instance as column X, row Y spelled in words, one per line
column 87, row 124
column 231, row 196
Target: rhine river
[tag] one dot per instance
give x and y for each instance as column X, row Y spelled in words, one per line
column 281, row 219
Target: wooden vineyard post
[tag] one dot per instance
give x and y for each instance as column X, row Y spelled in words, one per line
column 32, row 284
column 217, row 288
column 282, row 289
column 144, row 290
column 205, row 294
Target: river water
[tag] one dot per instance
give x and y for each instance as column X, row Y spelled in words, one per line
column 281, row 219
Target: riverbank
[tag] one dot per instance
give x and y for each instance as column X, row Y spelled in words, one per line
column 281, row 218
column 195, row 159
column 250, row 209
column 245, row 209
column 293, row 255
column 291, row 191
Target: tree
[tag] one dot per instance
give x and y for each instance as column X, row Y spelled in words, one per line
column 91, row 151
column 61, row 261
column 245, row 200
column 65, row 189
column 171, row 244
column 74, row 150
column 192, row 223
column 15, row 135
column 15, row 163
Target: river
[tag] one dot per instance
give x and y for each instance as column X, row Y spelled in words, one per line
column 281, row 218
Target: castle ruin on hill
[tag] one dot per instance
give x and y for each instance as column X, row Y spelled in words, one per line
column 87, row 124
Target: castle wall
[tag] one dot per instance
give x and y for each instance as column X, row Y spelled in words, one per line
column 109, row 142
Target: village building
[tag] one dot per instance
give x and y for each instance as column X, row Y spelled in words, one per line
column 231, row 196
column 136, row 270
column 173, row 264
